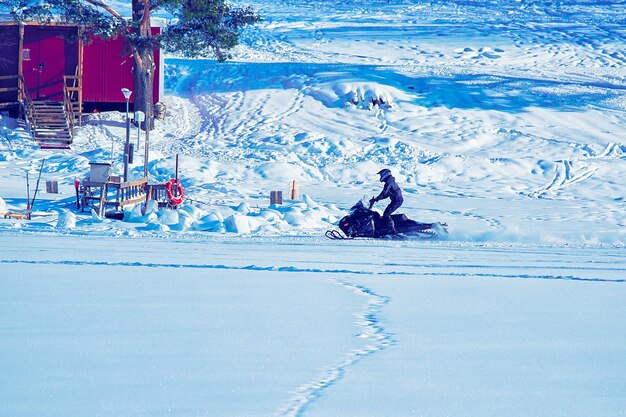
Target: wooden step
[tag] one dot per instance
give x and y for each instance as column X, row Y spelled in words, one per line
column 65, row 136
column 61, row 134
column 54, row 140
column 45, row 135
column 49, row 111
column 50, row 115
column 53, row 143
column 47, row 106
column 54, row 146
column 58, row 114
column 50, row 125
column 52, row 134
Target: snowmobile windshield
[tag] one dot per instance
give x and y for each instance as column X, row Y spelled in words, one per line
column 357, row 207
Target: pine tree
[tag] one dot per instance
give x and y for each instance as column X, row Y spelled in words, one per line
column 200, row 28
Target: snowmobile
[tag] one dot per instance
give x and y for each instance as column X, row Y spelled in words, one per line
column 362, row 221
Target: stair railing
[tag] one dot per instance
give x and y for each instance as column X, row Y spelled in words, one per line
column 69, row 110
column 23, row 96
column 74, row 94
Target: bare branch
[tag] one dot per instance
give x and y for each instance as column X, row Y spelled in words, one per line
column 145, row 20
column 106, row 7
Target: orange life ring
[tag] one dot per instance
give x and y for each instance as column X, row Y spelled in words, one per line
column 169, row 186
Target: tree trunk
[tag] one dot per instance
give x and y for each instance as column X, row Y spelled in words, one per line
column 143, row 62
column 144, row 81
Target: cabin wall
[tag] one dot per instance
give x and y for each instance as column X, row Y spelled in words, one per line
column 51, row 51
column 9, row 60
column 108, row 67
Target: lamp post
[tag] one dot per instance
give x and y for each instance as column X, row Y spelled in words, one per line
column 139, row 117
column 127, row 94
column 147, row 125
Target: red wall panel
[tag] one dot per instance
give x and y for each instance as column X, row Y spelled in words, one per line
column 107, row 68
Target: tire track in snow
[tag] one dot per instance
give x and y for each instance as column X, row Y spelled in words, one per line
column 371, row 329
column 319, row 270
column 564, row 175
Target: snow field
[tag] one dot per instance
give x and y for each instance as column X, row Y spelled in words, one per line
column 504, row 120
column 305, row 327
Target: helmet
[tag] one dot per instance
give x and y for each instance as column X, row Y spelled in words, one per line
column 384, row 174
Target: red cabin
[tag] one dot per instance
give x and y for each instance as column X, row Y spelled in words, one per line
column 50, row 59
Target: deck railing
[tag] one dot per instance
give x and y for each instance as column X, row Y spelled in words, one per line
column 73, row 97
column 69, row 111
column 22, row 96
column 26, row 103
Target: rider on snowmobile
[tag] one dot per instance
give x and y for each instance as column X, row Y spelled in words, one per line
column 391, row 191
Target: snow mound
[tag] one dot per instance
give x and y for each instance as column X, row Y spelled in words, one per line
column 237, row 223
column 306, row 216
column 67, row 220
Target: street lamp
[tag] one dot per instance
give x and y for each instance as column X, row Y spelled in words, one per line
column 127, row 94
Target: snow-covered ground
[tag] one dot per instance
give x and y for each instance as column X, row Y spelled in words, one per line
column 301, row 326
column 507, row 120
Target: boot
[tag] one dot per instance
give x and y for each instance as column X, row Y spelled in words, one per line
column 391, row 227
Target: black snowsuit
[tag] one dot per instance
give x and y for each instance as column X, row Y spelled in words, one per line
column 393, row 192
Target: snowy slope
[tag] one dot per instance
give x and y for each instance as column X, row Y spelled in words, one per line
column 505, row 119
column 506, row 122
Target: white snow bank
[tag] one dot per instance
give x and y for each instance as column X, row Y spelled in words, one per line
column 66, row 220
column 237, row 223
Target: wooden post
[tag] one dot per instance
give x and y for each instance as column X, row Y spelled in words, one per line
column 176, row 168
column 148, row 198
column 294, row 189
column 52, row 187
column 79, row 73
column 276, row 197
column 148, row 124
column 20, row 51
column 103, row 200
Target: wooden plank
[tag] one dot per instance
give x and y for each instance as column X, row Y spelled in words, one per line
column 51, row 141
column 52, row 137
column 276, row 197
column 61, row 147
column 52, row 187
column 18, row 215
column 137, row 200
column 134, row 183
column 95, row 184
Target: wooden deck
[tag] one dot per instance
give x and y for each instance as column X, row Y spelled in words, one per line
column 117, row 195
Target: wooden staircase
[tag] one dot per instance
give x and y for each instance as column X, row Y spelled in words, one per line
column 49, row 124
